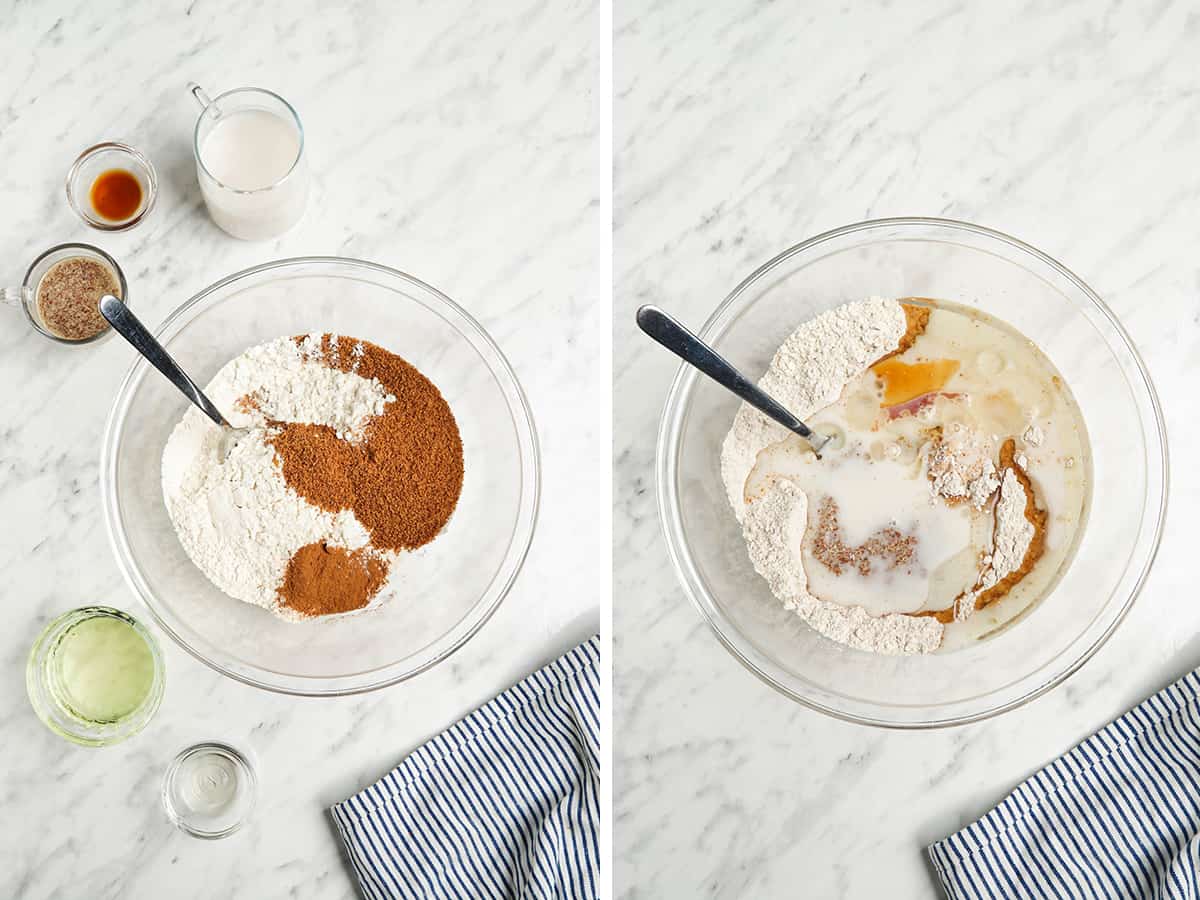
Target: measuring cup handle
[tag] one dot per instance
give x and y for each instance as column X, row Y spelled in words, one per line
column 202, row 98
column 13, row 296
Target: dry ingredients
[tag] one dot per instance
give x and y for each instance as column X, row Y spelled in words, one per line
column 68, row 297
column 352, row 457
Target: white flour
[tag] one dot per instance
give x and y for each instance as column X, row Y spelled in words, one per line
column 236, row 516
column 960, row 466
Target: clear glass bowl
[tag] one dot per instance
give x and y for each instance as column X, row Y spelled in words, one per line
column 1020, row 285
column 443, row 594
column 37, row 271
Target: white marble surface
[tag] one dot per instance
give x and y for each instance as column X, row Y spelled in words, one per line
column 741, row 128
column 452, row 140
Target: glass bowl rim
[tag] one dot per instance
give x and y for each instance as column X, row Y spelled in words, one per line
column 510, row 568
column 668, row 448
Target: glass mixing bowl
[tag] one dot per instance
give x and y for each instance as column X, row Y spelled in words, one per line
column 1010, row 280
column 444, row 593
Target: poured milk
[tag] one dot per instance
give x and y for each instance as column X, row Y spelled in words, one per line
column 875, row 470
column 250, row 149
column 871, row 496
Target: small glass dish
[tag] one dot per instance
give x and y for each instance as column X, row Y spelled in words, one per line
column 26, row 296
column 57, row 662
column 209, row 790
column 95, row 161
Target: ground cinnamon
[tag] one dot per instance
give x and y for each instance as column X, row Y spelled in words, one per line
column 323, row 580
column 402, row 480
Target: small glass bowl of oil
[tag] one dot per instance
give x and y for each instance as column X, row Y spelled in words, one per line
column 112, row 186
column 95, row 676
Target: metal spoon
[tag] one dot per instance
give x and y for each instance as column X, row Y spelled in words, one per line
column 126, row 324
column 672, row 335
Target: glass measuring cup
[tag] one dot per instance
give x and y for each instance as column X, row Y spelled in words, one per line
column 250, row 162
column 26, row 295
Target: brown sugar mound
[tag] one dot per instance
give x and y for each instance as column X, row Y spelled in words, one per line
column 403, row 479
column 322, row 580
column 917, row 319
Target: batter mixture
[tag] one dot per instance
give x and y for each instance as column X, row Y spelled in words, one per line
column 951, row 496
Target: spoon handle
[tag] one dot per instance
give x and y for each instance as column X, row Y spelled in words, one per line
column 126, row 324
column 672, row 335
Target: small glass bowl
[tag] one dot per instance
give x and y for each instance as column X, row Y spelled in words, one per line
column 209, row 790
column 98, row 159
column 42, row 683
column 37, row 270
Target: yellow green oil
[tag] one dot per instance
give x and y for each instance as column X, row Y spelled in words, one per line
column 104, row 670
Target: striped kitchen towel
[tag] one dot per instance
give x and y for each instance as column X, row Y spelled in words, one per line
column 1118, row 816
column 506, row 803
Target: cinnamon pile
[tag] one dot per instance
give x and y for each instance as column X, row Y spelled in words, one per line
column 401, row 481
column 322, row 580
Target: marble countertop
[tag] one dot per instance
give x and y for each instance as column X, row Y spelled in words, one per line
column 742, row 128
column 453, row 142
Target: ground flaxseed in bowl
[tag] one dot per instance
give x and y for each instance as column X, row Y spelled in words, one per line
column 68, row 295
column 354, row 459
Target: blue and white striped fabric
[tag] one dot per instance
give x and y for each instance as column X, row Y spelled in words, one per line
column 506, row 803
column 1118, row 816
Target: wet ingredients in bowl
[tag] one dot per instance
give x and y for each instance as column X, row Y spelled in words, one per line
column 353, row 460
column 957, row 486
